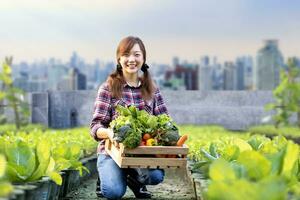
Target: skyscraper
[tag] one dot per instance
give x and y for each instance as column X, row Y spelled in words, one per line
column 205, row 74
column 244, row 70
column 230, row 76
column 269, row 60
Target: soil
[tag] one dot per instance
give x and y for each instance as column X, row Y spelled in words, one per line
column 175, row 186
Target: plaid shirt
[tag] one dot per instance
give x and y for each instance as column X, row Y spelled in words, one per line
column 104, row 107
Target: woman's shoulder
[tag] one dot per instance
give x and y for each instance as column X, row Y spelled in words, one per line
column 104, row 87
column 156, row 89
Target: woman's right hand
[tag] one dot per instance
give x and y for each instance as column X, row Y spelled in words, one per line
column 104, row 133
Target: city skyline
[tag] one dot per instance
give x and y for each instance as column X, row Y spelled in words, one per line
column 36, row 30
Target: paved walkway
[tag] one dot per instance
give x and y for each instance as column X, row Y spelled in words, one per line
column 175, row 186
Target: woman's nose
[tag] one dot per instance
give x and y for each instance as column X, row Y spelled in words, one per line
column 131, row 58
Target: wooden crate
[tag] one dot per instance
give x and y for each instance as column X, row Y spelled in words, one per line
column 144, row 156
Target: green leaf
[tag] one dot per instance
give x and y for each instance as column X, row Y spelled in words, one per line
column 75, row 150
column 290, row 159
column 7, row 80
column 51, row 166
column 13, row 175
column 255, row 142
column 221, row 170
column 61, row 151
column 242, row 144
column 256, row 165
column 270, row 106
column 152, row 122
column 6, row 189
column 276, row 161
column 236, row 190
column 21, row 158
column 61, row 164
column 2, row 165
column 134, row 111
column 230, row 152
column 56, row 177
column 2, row 95
column 6, row 69
column 268, row 148
column 122, row 110
column 213, row 150
column 43, row 159
column 239, row 170
column 272, row 188
column 207, row 155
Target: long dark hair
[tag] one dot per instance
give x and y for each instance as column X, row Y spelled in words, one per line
column 116, row 79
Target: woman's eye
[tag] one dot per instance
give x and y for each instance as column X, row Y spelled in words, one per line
column 137, row 55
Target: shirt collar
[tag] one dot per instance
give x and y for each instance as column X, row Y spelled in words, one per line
column 127, row 84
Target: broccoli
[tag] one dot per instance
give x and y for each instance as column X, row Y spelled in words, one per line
column 168, row 138
column 120, row 134
column 132, row 139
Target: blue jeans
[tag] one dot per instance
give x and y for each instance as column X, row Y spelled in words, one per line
column 113, row 178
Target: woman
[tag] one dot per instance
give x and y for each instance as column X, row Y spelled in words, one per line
column 125, row 87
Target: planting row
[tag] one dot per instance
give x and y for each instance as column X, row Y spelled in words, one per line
column 227, row 165
column 37, row 155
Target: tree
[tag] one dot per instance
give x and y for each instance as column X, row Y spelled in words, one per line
column 14, row 96
column 287, row 95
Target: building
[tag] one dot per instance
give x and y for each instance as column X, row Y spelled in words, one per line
column 246, row 62
column 188, row 73
column 241, row 74
column 205, row 74
column 230, row 76
column 56, row 74
column 78, row 79
column 269, row 61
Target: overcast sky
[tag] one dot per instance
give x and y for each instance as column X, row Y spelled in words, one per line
column 36, row 29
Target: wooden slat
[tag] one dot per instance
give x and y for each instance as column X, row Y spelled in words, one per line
column 157, row 150
column 113, row 152
column 154, row 162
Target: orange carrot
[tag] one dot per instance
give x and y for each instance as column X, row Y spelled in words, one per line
column 182, row 140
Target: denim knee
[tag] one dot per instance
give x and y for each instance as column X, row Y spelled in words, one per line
column 114, row 192
column 156, row 176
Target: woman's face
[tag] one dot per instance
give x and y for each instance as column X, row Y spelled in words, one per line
column 132, row 61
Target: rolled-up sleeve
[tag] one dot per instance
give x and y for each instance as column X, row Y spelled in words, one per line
column 102, row 110
column 159, row 104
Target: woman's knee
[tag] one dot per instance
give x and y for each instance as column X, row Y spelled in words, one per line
column 113, row 192
column 156, row 176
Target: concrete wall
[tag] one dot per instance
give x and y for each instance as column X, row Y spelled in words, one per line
column 235, row 110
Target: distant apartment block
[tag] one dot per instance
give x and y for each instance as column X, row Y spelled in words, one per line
column 230, row 76
column 245, row 73
column 30, row 85
column 187, row 74
column 269, row 61
column 205, row 74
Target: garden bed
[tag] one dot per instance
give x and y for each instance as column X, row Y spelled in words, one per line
column 197, row 180
column 46, row 189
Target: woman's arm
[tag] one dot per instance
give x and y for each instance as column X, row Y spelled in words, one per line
column 102, row 113
column 159, row 104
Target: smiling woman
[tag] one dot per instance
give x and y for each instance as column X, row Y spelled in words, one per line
column 125, row 87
